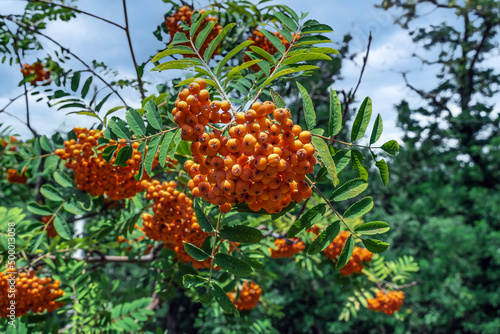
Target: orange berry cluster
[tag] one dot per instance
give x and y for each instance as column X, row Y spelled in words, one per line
column 50, row 229
column 31, row 293
column 93, row 174
column 287, row 247
column 248, row 297
column 37, row 69
column 262, row 42
column 13, row 176
column 358, row 256
column 263, row 162
column 11, row 140
column 137, row 240
column 388, row 303
column 173, row 220
column 185, row 14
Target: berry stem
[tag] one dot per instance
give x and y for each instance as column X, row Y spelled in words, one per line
column 292, row 44
column 212, row 256
column 214, row 77
column 151, row 136
column 331, row 207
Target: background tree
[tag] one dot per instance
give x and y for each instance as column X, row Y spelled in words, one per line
column 447, row 200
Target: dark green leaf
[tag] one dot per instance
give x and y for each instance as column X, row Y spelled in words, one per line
column 176, row 140
column 202, row 218
column 202, row 36
column 195, row 252
column 278, row 100
column 233, row 265
column 263, row 53
column 305, row 57
column 62, row 179
column 391, row 148
column 346, row 253
column 362, row 119
column 310, row 40
column 51, row 193
column 204, row 299
column 217, row 40
column 307, row 220
column 287, row 21
column 198, row 22
column 240, row 68
column 350, row 189
column 165, row 145
column 141, row 149
column 326, row 157
column 135, row 122
column 178, row 64
column 109, row 152
column 359, row 208
column 289, row 71
column 46, row 144
column 317, row 28
column 242, row 234
column 75, row 81
column 325, row 238
column 223, row 300
column 150, row 154
column 179, row 37
column 171, row 52
column 383, row 170
column 152, row 115
column 375, row 246
column 291, row 12
column 378, row 127
column 309, row 112
column 192, row 281
column 37, row 209
column 335, row 122
column 230, row 55
column 371, row 228
column 341, row 159
column 99, row 106
column 119, row 128
column 357, row 161
column 86, row 87
column 38, row 242
column 62, row 228
column 274, row 40
column 71, row 208
column 123, row 155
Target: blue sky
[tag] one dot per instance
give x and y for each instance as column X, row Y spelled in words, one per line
column 91, row 39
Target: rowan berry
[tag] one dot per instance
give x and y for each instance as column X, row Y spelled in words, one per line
column 388, row 303
column 248, row 296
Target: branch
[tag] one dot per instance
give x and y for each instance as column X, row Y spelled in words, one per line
column 16, row 50
column 127, row 31
column 349, row 97
column 426, row 95
column 115, row 258
column 478, row 50
column 68, row 51
column 78, row 11
column 400, row 287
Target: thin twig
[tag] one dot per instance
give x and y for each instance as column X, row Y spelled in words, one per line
column 127, row 31
column 68, row 51
column 78, row 11
column 212, row 256
column 349, row 97
column 313, row 185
